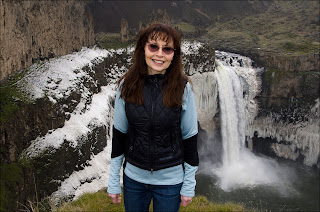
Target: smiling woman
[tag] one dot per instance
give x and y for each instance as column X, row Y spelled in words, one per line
column 155, row 127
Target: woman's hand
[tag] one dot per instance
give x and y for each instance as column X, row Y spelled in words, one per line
column 116, row 198
column 185, row 200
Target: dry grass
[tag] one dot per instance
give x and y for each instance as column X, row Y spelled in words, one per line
column 110, row 41
column 100, row 201
column 285, row 27
column 185, row 27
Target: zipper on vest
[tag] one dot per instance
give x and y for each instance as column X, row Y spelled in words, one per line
column 152, row 121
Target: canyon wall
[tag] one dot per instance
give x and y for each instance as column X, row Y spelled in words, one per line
column 287, row 123
column 28, row 175
column 35, row 30
column 307, row 62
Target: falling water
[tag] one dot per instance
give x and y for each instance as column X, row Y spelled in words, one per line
column 232, row 114
column 240, row 167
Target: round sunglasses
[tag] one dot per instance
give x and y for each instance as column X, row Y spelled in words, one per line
column 155, row 47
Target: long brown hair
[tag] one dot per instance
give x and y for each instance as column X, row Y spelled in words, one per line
column 133, row 80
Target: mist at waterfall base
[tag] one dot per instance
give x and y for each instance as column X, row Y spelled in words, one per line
column 231, row 172
column 303, row 195
column 259, row 182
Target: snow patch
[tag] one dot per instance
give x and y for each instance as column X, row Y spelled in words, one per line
column 78, row 124
column 57, row 77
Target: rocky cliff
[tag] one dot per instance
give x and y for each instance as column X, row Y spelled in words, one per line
column 287, row 123
column 288, row 62
column 52, row 92
column 34, row 30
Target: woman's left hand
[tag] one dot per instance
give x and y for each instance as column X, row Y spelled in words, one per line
column 185, row 200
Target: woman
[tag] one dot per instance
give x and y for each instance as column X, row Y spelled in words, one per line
column 155, row 127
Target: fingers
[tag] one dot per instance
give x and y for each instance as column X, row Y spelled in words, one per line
column 116, row 198
column 185, row 200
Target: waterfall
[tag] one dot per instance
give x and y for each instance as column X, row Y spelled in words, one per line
column 238, row 84
column 232, row 113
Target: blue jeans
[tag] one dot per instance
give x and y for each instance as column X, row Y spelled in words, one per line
column 137, row 196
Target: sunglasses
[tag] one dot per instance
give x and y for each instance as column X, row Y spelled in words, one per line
column 155, row 47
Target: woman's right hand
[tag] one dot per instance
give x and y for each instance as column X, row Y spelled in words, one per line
column 116, row 198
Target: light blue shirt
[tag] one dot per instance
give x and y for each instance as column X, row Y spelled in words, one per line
column 168, row 176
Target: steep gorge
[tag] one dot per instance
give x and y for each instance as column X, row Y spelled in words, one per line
column 290, row 86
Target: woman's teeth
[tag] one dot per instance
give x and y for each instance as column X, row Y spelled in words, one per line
column 158, row 61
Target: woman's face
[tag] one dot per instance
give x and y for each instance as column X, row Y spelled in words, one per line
column 158, row 55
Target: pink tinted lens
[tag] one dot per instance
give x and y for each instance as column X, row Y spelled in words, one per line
column 167, row 50
column 153, row 47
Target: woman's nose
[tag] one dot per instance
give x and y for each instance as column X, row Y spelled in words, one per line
column 160, row 52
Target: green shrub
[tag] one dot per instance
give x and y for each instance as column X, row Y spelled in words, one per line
column 10, row 94
column 185, row 27
column 110, row 41
column 10, row 177
column 306, row 46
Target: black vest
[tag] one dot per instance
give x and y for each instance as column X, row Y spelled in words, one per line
column 154, row 139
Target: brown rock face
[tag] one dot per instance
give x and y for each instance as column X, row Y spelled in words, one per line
column 308, row 62
column 32, row 30
column 124, row 30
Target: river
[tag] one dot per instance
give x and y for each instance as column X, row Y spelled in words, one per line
column 302, row 195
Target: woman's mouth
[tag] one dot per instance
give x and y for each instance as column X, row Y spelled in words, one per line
column 158, row 61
